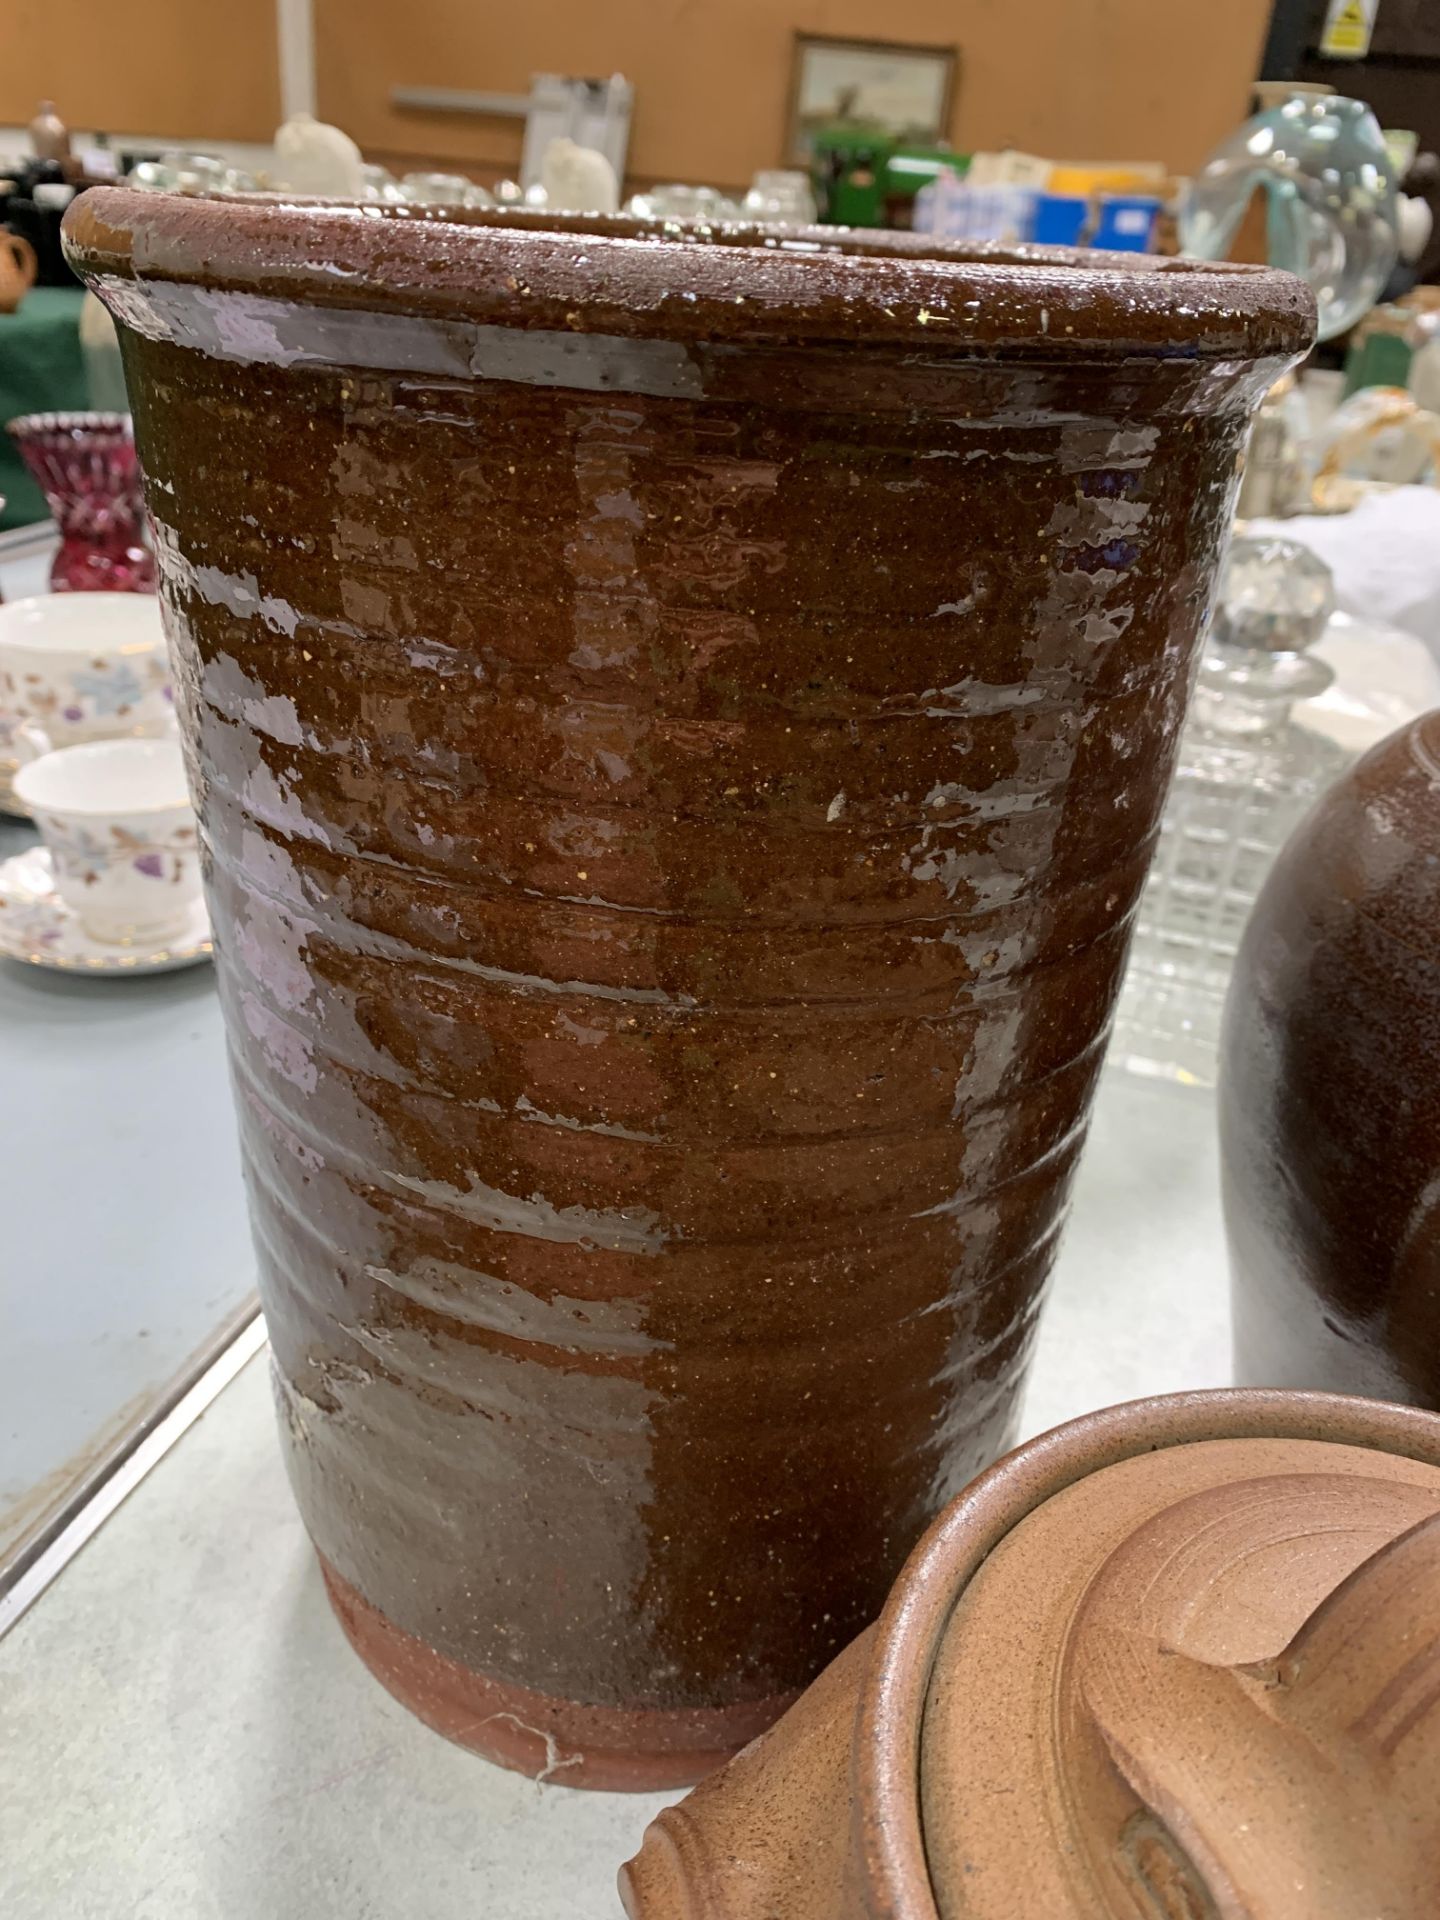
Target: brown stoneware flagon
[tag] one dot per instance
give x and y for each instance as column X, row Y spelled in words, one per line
column 678, row 721
column 1330, row 1092
column 1174, row 1661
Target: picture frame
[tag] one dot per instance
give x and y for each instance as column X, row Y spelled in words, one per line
column 904, row 90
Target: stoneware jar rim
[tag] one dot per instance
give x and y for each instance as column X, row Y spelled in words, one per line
column 728, row 284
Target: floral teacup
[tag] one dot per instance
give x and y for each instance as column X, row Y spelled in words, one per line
column 116, row 817
column 84, row 666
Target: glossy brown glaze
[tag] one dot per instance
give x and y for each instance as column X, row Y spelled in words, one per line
column 679, row 728
column 1176, row 1658
column 1330, row 1092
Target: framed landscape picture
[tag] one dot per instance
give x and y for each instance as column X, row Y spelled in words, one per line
column 902, row 92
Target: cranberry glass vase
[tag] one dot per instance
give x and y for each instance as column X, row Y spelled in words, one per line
column 86, row 465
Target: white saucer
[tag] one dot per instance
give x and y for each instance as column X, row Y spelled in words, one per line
column 37, row 927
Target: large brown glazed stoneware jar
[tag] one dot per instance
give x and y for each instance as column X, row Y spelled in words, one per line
column 679, row 722
column 1330, row 1092
column 1174, row 1660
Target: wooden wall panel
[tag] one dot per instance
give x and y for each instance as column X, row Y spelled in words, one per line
column 1079, row 79
column 191, row 69
column 1409, row 28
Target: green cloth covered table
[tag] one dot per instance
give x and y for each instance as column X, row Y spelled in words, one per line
column 42, row 370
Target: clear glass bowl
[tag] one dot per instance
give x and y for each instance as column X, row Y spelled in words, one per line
column 443, row 190
column 781, row 197
column 704, row 206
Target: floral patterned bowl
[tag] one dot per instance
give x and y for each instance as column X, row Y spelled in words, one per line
column 80, row 667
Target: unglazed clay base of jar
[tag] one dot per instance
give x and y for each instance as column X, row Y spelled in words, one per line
column 679, row 722
column 1330, row 1092
column 1176, row 1659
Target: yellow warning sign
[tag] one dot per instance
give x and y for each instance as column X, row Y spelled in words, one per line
column 1348, row 25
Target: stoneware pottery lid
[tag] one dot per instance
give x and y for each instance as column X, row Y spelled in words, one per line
column 1177, row 1659
column 1188, row 1664
column 635, row 279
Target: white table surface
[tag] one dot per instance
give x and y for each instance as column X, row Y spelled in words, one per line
column 124, row 1239
column 187, row 1737
column 124, row 1243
